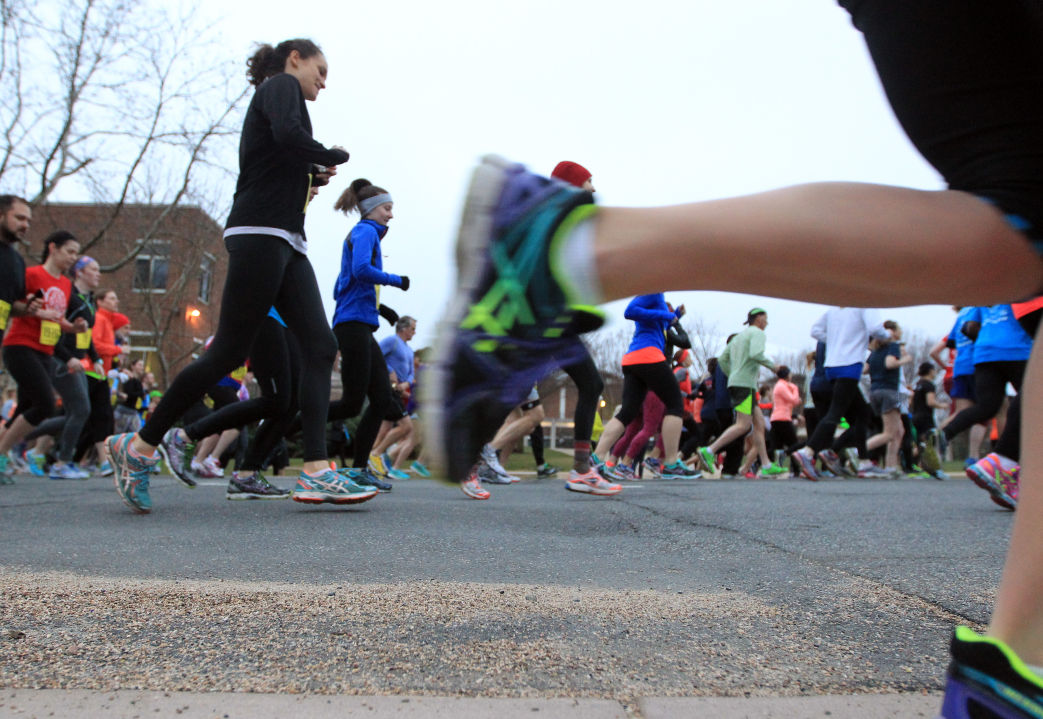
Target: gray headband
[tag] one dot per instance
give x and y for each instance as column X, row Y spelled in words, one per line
column 371, row 203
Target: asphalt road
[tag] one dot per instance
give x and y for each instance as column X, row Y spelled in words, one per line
column 719, row 588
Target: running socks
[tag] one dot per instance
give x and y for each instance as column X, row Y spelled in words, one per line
column 572, row 256
column 581, row 456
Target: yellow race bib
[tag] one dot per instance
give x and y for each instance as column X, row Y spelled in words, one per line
column 50, row 333
column 5, row 314
column 83, row 339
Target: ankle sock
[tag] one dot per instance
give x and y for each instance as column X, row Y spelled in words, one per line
column 575, row 251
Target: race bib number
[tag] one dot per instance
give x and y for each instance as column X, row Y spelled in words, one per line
column 83, row 339
column 5, row 313
column 50, row 333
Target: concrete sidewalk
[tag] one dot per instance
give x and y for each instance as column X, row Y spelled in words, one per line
column 137, row 704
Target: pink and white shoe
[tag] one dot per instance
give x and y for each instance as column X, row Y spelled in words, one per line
column 591, row 483
column 473, row 488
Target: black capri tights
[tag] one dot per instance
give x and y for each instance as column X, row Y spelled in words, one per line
column 32, row 371
column 639, row 380
column 262, row 271
column 363, row 374
column 990, row 389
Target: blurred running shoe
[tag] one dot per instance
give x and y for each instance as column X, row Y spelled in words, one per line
column 772, row 471
column 35, row 463
column 105, row 469
column 1001, row 484
column 831, row 461
column 653, row 467
column 366, row 478
column 397, row 474
column 420, row 469
column 6, row 476
column 177, row 453
column 620, row 471
column 130, row 472
column 16, row 462
column 376, row 465
column 709, row 460
column 253, row 486
column 591, row 483
column 213, row 469
column 679, row 470
column 67, row 470
column 330, row 487
column 473, row 488
column 490, row 476
column 514, row 316
column 547, row 470
column 987, row 680
column 805, row 459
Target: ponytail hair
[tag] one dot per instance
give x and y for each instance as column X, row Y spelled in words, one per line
column 58, row 238
column 359, row 190
column 267, row 60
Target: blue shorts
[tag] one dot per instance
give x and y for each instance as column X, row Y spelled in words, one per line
column 962, row 387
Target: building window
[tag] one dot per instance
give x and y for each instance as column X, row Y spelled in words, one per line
column 206, row 278
column 152, row 266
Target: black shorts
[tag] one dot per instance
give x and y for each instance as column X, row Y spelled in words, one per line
column 965, row 80
column 395, row 410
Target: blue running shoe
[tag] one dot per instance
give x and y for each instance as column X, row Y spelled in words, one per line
column 397, row 474
column 35, row 463
column 130, row 473
column 987, row 679
column 514, row 316
column 105, row 469
column 420, row 469
column 367, row 478
column 332, row 487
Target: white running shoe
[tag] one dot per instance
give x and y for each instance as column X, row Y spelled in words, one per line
column 591, row 483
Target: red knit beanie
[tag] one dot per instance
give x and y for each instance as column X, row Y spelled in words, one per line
column 571, row 172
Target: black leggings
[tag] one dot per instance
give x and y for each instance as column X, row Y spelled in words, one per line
column 270, row 363
column 639, row 380
column 965, row 80
column 363, row 374
column 589, row 386
column 263, row 271
column 100, row 423
column 847, row 402
column 990, row 385
column 273, row 428
column 32, row 371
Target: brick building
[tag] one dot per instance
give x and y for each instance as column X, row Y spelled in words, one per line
column 171, row 288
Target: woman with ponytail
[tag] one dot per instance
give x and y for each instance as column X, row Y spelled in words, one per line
column 279, row 165
column 357, row 292
column 28, row 346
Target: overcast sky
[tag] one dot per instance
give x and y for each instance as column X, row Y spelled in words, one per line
column 664, row 102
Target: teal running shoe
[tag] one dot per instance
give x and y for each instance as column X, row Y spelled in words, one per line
column 6, row 476
column 332, row 487
column 515, row 316
column 987, row 679
column 130, row 473
column 397, row 474
column 678, row 470
column 420, row 469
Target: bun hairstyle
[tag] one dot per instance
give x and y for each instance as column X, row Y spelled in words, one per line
column 782, row 372
column 267, row 60
column 359, row 190
column 58, row 238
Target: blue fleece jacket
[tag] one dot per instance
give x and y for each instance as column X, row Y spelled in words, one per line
column 361, row 270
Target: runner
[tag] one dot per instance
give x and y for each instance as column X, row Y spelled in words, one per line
column 363, row 371
column 886, row 358
column 967, row 87
column 279, row 163
column 645, row 368
column 28, row 346
column 741, row 361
